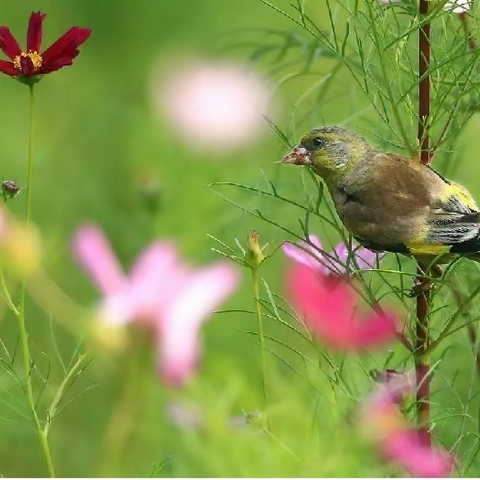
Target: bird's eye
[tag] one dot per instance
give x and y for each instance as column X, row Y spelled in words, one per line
column 318, row 142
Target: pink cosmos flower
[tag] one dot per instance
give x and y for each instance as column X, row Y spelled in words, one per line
column 160, row 293
column 213, row 105
column 329, row 307
column 338, row 260
column 396, row 440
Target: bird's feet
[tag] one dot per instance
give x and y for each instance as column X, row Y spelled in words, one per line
column 419, row 288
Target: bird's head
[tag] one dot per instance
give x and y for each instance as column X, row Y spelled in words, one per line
column 330, row 151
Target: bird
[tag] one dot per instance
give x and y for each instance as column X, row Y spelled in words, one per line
column 391, row 203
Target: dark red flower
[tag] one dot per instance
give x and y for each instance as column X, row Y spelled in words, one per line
column 31, row 62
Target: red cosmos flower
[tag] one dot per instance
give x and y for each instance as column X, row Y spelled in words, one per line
column 27, row 65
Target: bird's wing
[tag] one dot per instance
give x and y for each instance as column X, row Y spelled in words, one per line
column 455, row 220
column 412, row 209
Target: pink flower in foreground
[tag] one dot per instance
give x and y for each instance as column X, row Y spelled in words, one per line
column 329, row 307
column 161, row 293
column 214, row 105
column 338, row 261
column 396, row 440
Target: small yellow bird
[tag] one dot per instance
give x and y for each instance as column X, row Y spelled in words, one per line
column 389, row 202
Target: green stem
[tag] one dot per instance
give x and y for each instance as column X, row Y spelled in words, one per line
column 261, row 335
column 449, row 325
column 28, row 210
column 60, row 392
column 21, row 316
column 387, row 79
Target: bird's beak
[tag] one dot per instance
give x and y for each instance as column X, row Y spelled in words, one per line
column 298, row 156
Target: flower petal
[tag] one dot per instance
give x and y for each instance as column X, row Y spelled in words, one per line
column 34, row 34
column 360, row 258
column 395, row 439
column 94, row 253
column 27, row 66
column 200, row 294
column 152, row 272
column 405, row 448
column 329, row 308
column 65, row 46
column 8, row 68
column 8, row 44
column 117, row 309
column 58, row 63
column 337, row 262
column 301, row 256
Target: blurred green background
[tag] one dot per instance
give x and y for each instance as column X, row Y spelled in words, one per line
column 97, row 137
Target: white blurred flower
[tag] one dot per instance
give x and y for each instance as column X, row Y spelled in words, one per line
column 458, row 6
column 213, row 105
column 454, row 6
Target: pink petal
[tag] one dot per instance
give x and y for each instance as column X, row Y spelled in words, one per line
column 118, row 309
column 337, row 262
column 366, row 258
column 405, row 448
column 397, row 442
column 329, row 308
column 94, row 253
column 303, row 257
column 199, row 295
column 150, row 275
column 376, row 329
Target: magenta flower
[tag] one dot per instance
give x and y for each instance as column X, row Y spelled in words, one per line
column 161, row 293
column 396, row 441
column 338, row 260
column 329, row 307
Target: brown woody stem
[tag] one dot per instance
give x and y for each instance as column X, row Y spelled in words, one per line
column 422, row 378
column 472, row 43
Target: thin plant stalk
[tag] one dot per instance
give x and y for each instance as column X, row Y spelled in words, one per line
column 21, row 310
column 472, row 45
column 261, row 334
column 60, row 392
column 422, row 378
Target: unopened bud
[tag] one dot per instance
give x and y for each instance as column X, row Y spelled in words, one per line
column 9, row 189
column 150, row 191
column 254, row 253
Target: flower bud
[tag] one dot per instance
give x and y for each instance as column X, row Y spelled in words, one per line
column 9, row 189
column 254, row 253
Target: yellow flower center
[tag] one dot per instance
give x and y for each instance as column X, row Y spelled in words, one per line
column 35, row 58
